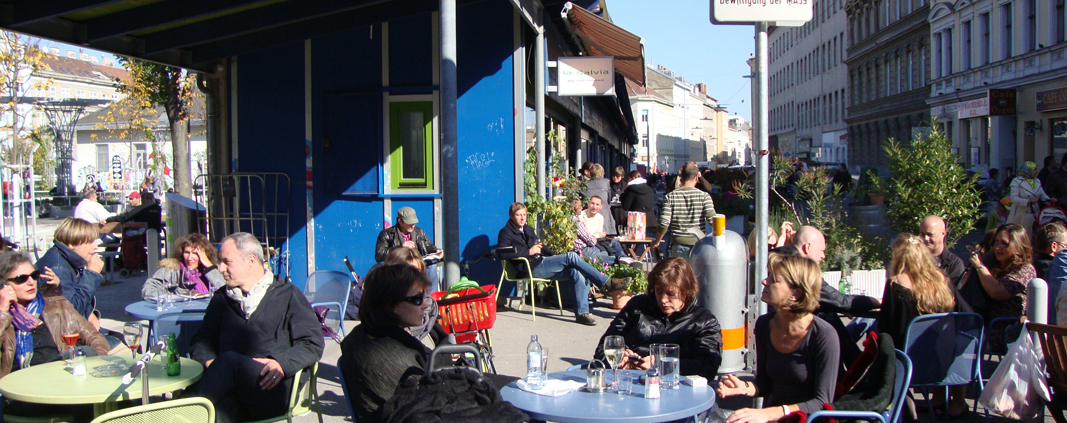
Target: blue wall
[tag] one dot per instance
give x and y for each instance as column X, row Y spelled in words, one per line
column 346, row 130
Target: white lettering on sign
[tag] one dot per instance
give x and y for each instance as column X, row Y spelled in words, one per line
column 777, row 12
column 586, row 76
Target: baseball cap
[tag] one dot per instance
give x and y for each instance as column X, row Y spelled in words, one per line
column 134, row 194
column 407, row 214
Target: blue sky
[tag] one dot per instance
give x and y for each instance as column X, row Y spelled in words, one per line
column 678, row 35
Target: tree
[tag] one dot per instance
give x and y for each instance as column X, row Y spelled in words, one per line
column 173, row 89
column 927, row 179
column 20, row 59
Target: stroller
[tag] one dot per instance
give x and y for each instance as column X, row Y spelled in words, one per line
column 1051, row 213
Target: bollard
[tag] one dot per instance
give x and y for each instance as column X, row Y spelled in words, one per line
column 152, row 245
column 720, row 263
column 1037, row 301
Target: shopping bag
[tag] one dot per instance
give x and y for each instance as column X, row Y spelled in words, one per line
column 1018, row 386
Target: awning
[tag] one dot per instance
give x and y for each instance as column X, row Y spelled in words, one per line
column 598, row 37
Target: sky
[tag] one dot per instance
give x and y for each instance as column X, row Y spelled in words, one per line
column 679, row 36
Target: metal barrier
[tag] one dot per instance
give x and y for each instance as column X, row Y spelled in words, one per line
column 1037, row 301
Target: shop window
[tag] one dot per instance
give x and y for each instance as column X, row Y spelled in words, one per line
column 1059, row 137
column 102, row 160
column 411, row 143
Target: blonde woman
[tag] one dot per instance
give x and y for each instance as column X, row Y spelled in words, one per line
column 797, row 355
column 75, row 264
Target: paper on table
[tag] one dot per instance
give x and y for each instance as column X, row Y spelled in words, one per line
column 553, row 387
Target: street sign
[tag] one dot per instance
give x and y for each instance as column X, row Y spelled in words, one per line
column 774, row 12
column 585, row 76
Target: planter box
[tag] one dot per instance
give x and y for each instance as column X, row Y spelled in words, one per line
column 864, row 282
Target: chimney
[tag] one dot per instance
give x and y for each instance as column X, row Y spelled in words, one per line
column 109, row 61
column 70, row 54
column 93, row 59
column 54, row 51
column 83, row 56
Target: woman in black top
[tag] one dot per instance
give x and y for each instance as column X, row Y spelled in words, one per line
column 797, row 355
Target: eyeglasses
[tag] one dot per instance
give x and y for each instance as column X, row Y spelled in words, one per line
column 416, row 299
column 1001, row 244
column 24, row 278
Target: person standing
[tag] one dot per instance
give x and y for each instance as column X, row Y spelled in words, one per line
column 1050, row 166
column 598, row 186
column 258, row 332
column 618, row 185
column 639, row 197
column 1057, row 183
column 1052, row 255
column 993, row 189
column 1025, row 194
column 932, row 232
column 405, row 234
column 684, row 212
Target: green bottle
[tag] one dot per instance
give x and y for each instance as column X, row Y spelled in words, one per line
column 174, row 364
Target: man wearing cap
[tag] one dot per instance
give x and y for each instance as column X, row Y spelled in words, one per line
column 147, row 212
column 405, row 234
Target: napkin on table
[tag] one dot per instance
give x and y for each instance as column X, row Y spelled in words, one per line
column 552, row 387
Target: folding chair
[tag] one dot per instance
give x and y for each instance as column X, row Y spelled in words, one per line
column 186, row 410
column 945, row 349
column 329, row 288
column 528, row 284
column 1054, row 346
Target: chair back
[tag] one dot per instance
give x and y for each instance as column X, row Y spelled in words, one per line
column 900, row 385
column 1053, row 341
column 183, row 324
column 510, row 272
column 185, row 410
column 344, row 389
column 449, row 349
column 301, row 397
column 329, row 288
column 945, row 348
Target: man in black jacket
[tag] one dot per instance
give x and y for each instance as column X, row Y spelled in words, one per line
column 566, row 266
column 932, row 231
column 258, row 331
column 405, row 234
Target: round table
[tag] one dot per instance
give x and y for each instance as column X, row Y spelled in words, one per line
column 52, row 383
column 146, row 310
column 580, row 406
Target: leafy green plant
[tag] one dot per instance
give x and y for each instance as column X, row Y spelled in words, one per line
column 555, row 212
column 638, row 281
column 926, row 179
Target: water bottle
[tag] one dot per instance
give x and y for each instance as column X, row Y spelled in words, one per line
column 535, row 379
column 174, row 364
column 844, row 286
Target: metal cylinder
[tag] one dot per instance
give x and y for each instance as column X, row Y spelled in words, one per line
column 1037, row 301
column 718, row 224
column 721, row 267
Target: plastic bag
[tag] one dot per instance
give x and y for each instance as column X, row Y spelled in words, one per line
column 1018, row 386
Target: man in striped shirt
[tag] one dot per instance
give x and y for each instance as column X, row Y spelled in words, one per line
column 684, row 211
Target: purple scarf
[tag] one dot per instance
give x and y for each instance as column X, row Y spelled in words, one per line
column 193, row 281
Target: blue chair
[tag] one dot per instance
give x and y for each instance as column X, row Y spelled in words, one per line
column 329, row 288
column 946, row 350
column 183, row 324
column 900, row 391
column 344, row 389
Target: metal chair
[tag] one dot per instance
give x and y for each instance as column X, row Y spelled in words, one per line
column 344, row 389
column 945, row 349
column 186, row 410
column 1054, row 346
column 528, row 284
column 300, row 397
column 900, row 390
column 183, row 324
column 329, row 288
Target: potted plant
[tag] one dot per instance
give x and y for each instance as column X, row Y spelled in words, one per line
column 638, row 280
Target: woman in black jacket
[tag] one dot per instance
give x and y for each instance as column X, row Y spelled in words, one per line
column 640, row 197
column 669, row 314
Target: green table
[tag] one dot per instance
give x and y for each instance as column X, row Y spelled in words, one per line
column 52, row 383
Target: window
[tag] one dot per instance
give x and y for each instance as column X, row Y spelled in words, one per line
column 1061, row 22
column 922, row 67
column 947, row 61
column 937, row 45
column 644, row 140
column 52, row 93
column 411, row 143
column 644, row 115
column 66, row 93
column 1006, row 35
column 140, row 156
column 101, row 158
column 985, row 42
column 1031, row 25
column 965, row 50
column 81, row 94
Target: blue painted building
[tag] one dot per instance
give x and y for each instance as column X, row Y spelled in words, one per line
column 346, row 100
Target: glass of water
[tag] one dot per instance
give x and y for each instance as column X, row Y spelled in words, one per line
column 544, row 362
column 667, row 364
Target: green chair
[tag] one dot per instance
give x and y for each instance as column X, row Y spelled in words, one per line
column 524, row 285
column 300, row 398
column 8, row 418
column 185, row 410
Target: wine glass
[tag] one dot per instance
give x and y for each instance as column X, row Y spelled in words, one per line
column 614, row 351
column 171, row 286
column 70, row 337
column 162, row 340
column 132, row 332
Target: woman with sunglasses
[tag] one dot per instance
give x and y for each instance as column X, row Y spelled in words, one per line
column 379, row 354
column 1003, row 275
column 429, row 325
column 31, row 324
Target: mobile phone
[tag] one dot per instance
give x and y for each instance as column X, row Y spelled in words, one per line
column 973, row 248
column 635, row 357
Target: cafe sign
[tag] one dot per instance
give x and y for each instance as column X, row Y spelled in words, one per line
column 1052, row 99
column 1002, row 102
column 585, row 76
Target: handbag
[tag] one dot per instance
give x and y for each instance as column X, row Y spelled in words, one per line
column 1018, row 386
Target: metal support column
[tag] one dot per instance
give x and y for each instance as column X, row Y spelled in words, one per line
column 539, row 99
column 449, row 142
column 762, row 161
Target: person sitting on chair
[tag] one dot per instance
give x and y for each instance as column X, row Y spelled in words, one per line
column 191, row 270
column 429, row 325
column 76, row 265
column 406, row 234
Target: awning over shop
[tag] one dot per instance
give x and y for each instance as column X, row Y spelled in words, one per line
column 598, row 37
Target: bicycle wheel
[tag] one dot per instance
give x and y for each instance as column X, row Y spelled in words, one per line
column 485, row 349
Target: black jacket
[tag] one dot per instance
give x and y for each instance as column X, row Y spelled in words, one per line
column 833, row 301
column 522, row 239
column 148, row 212
column 641, row 198
column 696, row 331
column 391, row 238
column 616, row 191
column 283, row 328
column 1057, row 185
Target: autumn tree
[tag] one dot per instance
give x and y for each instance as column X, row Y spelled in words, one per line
column 20, row 59
column 173, row 89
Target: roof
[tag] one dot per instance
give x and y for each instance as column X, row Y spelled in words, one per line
column 82, row 68
column 640, row 90
column 599, row 37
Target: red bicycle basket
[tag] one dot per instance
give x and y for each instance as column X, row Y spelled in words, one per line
column 467, row 311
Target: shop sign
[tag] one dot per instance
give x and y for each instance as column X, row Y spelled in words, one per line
column 974, row 108
column 1052, row 99
column 1002, row 102
column 777, row 12
column 586, row 76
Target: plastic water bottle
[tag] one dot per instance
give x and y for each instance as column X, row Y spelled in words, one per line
column 535, row 379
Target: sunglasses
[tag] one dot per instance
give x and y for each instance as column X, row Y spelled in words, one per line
column 416, row 299
column 24, row 278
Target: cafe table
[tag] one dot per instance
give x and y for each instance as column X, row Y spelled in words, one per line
column 53, row 383
column 146, row 310
column 586, row 407
column 631, row 244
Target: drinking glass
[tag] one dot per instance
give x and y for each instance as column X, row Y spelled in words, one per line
column 162, row 340
column 133, row 331
column 544, row 362
column 70, row 337
column 171, row 286
column 624, row 383
column 667, row 364
column 614, row 351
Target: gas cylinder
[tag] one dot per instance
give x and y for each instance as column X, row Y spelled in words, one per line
column 720, row 262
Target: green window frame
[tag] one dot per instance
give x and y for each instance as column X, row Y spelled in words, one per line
column 411, row 145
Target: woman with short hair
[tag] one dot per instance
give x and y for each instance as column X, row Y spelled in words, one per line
column 668, row 313
column 797, row 355
column 190, row 269
column 75, row 263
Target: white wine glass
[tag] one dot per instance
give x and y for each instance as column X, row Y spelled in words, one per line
column 614, row 351
column 132, row 332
